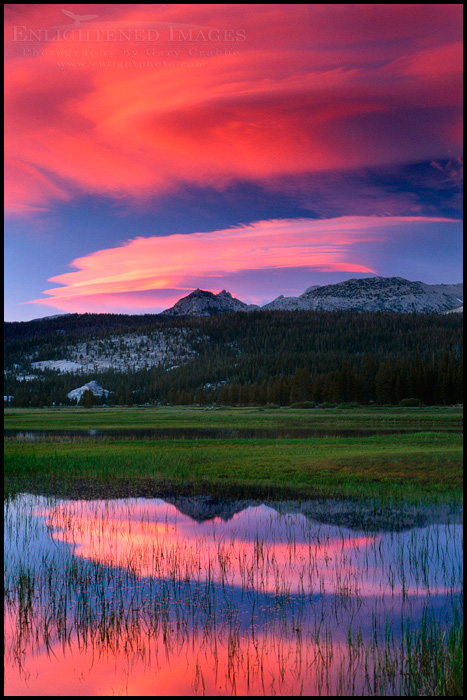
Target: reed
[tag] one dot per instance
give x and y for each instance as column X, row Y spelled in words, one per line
column 267, row 602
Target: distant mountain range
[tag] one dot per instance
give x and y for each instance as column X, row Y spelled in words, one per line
column 202, row 303
column 393, row 294
column 196, row 353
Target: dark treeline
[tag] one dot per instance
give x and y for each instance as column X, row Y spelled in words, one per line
column 80, row 325
column 386, row 382
column 259, row 358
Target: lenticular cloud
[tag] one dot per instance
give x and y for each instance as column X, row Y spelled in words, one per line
column 137, row 273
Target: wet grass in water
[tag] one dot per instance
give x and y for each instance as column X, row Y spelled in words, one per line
column 263, row 603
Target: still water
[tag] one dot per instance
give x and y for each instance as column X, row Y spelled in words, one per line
column 199, row 597
column 199, row 433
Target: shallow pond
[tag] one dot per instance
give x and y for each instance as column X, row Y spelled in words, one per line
column 199, row 596
column 200, row 433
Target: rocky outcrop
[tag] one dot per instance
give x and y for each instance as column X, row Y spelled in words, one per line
column 375, row 294
column 93, row 386
column 394, row 294
column 203, row 303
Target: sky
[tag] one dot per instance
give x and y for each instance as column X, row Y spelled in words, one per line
column 154, row 149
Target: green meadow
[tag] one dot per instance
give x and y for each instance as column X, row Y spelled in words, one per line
column 374, row 417
column 423, row 463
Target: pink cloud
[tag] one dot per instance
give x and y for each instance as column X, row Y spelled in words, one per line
column 305, row 91
column 158, row 270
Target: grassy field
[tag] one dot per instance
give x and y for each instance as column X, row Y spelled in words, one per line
column 412, row 466
column 375, row 417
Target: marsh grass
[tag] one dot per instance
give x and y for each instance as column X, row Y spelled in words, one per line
column 371, row 417
column 267, row 603
column 398, row 466
column 289, row 605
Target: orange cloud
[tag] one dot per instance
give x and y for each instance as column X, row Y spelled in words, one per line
column 298, row 94
column 125, row 273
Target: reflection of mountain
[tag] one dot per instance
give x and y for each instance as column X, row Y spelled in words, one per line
column 377, row 516
column 201, row 508
column 258, row 597
column 370, row 515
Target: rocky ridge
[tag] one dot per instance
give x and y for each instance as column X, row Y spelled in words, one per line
column 203, row 303
column 394, row 294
